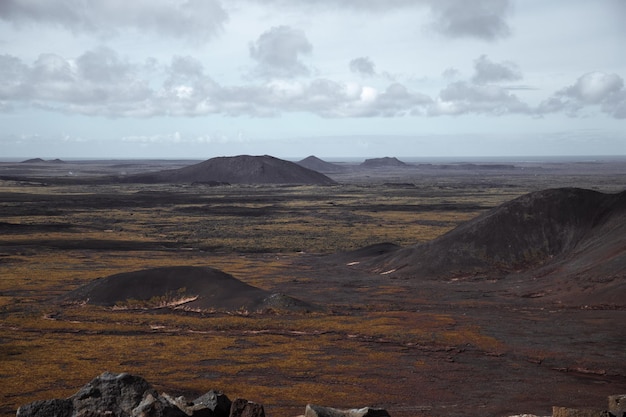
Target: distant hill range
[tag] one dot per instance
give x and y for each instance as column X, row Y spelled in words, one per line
column 188, row 287
column 572, row 236
column 386, row 162
column 319, row 165
column 243, row 169
column 43, row 161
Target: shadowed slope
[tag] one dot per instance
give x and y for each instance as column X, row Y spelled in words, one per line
column 243, row 169
column 531, row 232
column 200, row 288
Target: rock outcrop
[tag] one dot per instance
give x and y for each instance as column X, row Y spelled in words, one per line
column 125, row 395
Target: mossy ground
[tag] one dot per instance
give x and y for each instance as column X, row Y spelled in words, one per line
column 367, row 350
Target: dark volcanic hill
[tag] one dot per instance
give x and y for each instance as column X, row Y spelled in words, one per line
column 197, row 288
column 386, row 162
column 564, row 234
column 319, row 165
column 242, row 169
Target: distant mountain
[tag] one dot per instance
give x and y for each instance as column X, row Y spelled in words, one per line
column 557, row 235
column 195, row 288
column 386, row 162
column 319, row 165
column 40, row 161
column 242, row 169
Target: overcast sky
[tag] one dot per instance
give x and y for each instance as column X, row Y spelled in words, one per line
column 291, row 78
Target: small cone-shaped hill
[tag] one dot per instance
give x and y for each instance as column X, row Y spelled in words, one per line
column 201, row 288
column 319, row 165
column 243, row 169
column 581, row 229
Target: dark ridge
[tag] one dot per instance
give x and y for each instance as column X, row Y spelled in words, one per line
column 243, row 169
column 566, row 232
column 40, row 161
column 194, row 288
column 319, row 165
column 383, row 162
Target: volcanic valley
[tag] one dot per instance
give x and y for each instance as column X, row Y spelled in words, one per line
column 426, row 287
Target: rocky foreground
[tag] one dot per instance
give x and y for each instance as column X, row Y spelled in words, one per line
column 126, row 395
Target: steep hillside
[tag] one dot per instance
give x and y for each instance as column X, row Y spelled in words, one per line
column 580, row 231
column 201, row 288
column 241, row 169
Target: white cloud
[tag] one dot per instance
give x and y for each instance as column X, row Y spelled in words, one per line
column 196, row 20
column 593, row 89
column 462, row 97
column 101, row 82
column 277, row 52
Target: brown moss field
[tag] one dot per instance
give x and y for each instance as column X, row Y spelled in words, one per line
column 414, row 348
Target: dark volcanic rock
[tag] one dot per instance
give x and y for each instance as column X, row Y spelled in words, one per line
column 386, row 162
column 125, row 395
column 115, row 395
column 118, row 394
column 245, row 408
column 211, row 404
column 47, row 408
column 201, row 288
column 243, row 169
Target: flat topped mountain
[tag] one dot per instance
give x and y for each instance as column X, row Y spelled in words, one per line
column 197, row 288
column 319, row 165
column 562, row 234
column 383, row 162
column 243, row 169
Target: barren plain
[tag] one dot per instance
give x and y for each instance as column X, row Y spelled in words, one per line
column 414, row 347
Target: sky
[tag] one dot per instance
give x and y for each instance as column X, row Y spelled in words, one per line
column 291, row 78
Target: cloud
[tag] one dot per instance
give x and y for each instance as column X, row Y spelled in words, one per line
column 462, row 97
column 91, row 84
column 195, row 20
column 480, row 19
column 487, row 71
column 104, row 83
column 277, row 52
column 593, row 89
column 485, row 20
column 363, row 66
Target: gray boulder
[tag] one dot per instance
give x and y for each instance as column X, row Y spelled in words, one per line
column 117, row 395
column 320, row 411
column 48, row 408
column 211, row 404
column 125, row 395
